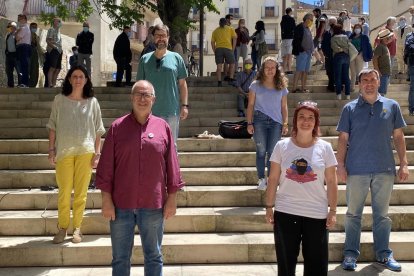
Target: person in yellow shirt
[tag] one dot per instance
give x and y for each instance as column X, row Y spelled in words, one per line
column 223, row 43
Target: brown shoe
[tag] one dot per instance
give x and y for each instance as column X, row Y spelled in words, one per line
column 60, row 236
column 77, row 236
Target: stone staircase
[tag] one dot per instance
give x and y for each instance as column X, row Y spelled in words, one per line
column 220, row 221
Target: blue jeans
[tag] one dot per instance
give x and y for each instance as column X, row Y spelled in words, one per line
column 341, row 73
column 357, row 187
column 411, row 92
column 267, row 133
column 151, row 226
column 174, row 123
column 384, row 81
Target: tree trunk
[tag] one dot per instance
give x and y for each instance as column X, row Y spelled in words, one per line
column 174, row 14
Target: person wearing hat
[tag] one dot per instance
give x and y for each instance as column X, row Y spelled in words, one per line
column 223, row 43
column 11, row 55
column 382, row 59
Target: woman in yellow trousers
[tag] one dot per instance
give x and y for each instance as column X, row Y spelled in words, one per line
column 75, row 129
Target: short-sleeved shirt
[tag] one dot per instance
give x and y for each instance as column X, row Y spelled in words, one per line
column 56, row 40
column 164, row 77
column 77, row 124
column 223, row 37
column 301, row 185
column 370, row 128
column 384, row 60
column 268, row 101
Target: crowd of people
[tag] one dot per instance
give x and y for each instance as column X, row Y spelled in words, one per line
column 24, row 54
column 139, row 186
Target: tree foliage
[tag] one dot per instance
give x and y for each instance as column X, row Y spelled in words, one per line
column 173, row 13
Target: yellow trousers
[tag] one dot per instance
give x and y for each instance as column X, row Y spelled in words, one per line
column 73, row 173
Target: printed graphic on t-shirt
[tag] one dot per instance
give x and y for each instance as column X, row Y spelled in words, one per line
column 300, row 171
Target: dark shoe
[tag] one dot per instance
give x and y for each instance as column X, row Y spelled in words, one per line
column 241, row 114
column 60, row 236
column 349, row 263
column 390, row 263
column 289, row 72
column 219, row 84
column 331, row 89
column 226, row 78
column 408, row 79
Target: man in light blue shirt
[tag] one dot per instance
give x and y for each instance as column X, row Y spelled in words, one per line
column 366, row 162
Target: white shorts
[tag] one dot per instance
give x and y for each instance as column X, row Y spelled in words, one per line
column 286, row 47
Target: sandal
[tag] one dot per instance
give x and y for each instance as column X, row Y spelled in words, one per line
column 296, row 90
column 306, row 91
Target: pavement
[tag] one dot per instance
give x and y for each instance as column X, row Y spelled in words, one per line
column 363, row 269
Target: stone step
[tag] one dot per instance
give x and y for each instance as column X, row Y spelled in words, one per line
column 35, row 146
column 224, row 195
column 185, row 132
column 180, row 249
column 187, row 220
column 192, row 176
column 187, row 160
column 236, row 269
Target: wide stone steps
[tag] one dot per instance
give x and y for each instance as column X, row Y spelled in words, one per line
column 192, row 196
column 180, row 249
column 187, row 160
column 185, row 145
column 192, row 176
column 187, row 220
column 191, row 131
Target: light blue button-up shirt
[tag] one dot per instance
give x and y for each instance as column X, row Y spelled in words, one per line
column 370, row 129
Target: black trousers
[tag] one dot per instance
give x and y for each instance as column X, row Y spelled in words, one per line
column 290, row 231
column 123, row 65
column 11, row 65
column 330, row 72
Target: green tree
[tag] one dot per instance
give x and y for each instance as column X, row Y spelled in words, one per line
column 174, row 13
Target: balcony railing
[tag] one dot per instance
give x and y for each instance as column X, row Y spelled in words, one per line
column 271, row 44
column 270, row 12
column 195, row 15
column 36, row 7
column 236, row 12
column 3, row 9
column 195, row 47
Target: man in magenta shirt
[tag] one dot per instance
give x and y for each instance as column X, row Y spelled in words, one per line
column 138, row 175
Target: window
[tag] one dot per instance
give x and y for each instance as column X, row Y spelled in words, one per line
column 234, row 8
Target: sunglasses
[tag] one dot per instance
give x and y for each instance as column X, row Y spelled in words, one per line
column 158, row 63
column 307, row 103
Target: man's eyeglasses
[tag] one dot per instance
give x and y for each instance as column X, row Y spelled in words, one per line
column 159, row 63
column 145, row 96
column 160, row 35
column 308, row 103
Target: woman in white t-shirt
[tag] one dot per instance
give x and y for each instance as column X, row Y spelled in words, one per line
column 300, row 165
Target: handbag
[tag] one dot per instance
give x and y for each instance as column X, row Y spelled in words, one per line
column 234, row 129
column 263, row 50
column 352, row 51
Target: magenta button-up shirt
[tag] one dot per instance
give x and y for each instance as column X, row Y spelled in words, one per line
column 139, row 163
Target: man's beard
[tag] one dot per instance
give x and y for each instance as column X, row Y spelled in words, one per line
column 161, row 45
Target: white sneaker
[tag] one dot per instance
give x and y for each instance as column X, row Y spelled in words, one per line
column 262, row 185
column 338, row 97
column 348, row 97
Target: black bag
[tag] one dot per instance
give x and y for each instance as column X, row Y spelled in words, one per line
column 234, row 129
